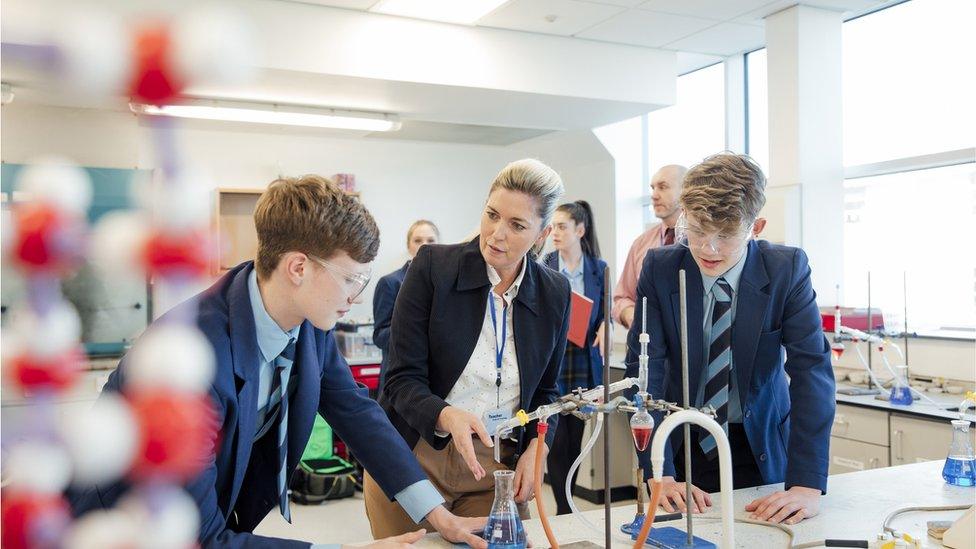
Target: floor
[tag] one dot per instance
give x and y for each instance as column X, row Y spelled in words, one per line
column 344, row 520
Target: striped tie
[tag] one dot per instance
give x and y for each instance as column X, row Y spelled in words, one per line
column 719, row 363
column 282, row 368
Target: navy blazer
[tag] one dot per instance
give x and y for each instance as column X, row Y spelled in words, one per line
column 436, row 324
column 384, row 298
column 593, row 287
column 238, row 487
column 787, row 421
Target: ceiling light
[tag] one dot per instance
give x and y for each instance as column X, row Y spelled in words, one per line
column 264, row 113
column 466, row 12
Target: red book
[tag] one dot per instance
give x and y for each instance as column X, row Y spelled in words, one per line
column 580, row 307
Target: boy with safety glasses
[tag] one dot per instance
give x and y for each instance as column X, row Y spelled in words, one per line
column 270, row 324
column 747, row 300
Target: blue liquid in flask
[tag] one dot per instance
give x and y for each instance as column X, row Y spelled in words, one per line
column 960, row 471
column 504, row 529
column 505, row 532
column 901, row 394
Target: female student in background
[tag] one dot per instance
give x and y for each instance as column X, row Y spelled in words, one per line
column 479, row 332
column 420, row 232
column 577, row 257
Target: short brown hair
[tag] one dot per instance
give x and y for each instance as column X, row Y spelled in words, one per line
column 724, row 191
column 310, row 214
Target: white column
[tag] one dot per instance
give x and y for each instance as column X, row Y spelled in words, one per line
column 735, row 103
column 806, row 169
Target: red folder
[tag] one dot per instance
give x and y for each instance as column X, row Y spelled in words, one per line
column 580, row 307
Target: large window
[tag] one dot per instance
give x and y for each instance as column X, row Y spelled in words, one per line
column 909, row 81
column 692, row 128
column 909, row 192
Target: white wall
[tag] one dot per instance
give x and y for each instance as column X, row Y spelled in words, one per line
column 400, row 181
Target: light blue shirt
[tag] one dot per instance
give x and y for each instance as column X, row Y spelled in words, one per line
column 732, row 277
column 417, row 500
column 575, row 277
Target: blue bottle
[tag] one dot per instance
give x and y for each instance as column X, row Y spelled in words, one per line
column 960, row 466
column 504, row 529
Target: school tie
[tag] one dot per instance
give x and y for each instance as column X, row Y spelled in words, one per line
column 282, row 368
column 669, row 236
column 719, row 363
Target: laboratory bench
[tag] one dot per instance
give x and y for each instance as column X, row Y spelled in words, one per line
column 854, row 507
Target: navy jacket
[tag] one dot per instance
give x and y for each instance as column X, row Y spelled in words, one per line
column 238, row 487
column 787, row 420
column 594, row 283
column 384, row 298
column 438, row 318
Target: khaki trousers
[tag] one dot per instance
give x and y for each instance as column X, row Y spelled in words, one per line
column 463, row 495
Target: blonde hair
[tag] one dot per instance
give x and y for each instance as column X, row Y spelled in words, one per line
column 417, row 224
column 310, row 214
column 539, row 181
column 724, row 191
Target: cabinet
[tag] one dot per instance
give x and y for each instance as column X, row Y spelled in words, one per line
column 858, row 440
column 916, row 440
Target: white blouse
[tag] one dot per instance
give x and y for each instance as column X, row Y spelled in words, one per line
column 475, row 390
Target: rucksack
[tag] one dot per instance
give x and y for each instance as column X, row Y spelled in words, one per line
column 321, row 475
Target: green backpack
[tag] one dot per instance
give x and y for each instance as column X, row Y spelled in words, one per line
column 321, row 475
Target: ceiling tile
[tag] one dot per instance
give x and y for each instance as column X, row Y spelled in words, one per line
column 345, row 4
column 568, row 17
column 756, row 16
column 646, row 28
column 707, row 9
column 723, row 39
column 841, row 5
column 688, row 61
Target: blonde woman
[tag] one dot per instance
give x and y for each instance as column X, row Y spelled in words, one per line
column 479, row 332
column 421, row 232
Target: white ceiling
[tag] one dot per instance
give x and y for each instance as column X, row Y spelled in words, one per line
column 704, row 30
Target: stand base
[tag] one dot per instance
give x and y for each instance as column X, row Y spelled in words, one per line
column 672, row 538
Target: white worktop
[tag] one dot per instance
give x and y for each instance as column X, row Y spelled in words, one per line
column 854, row 508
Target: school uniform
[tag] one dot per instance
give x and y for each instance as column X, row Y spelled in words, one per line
column 455, row 342
column 384, row 297
column 268, row 386
column 778, row 413
column 582, row 368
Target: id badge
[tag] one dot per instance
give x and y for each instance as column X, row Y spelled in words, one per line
column 494, row 418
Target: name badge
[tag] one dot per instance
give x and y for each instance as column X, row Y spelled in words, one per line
column 494, row 418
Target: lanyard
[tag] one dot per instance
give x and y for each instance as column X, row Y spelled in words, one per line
column 499, row 347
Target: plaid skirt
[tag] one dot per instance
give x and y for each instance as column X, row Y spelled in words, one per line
column 576, row 370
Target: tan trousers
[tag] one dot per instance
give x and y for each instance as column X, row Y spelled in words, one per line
column 463, row 495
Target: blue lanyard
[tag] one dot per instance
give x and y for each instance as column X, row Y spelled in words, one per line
column 499, row 347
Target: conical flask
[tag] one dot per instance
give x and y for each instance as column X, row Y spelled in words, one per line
column 960, row 465
column 900, row 392
column 504, row 529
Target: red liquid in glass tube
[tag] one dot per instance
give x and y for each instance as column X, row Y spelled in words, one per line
column 837, row 351
column 642, row 436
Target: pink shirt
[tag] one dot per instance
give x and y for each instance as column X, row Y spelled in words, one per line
column 625, row 294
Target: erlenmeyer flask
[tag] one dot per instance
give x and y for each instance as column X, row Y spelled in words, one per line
column 900, row 392
column 504, row 529
column 960, row 465
column 641, row 427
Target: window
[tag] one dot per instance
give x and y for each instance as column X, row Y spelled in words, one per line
column 909, row 160
column 909, row 81
column 692, row 128
column 920, row 225
column 757, row 109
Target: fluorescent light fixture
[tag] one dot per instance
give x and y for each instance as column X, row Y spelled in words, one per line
column 265, row 113
column 466, row 12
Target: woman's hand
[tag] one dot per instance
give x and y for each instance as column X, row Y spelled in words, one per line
column 525, row 471
column 462, row 425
